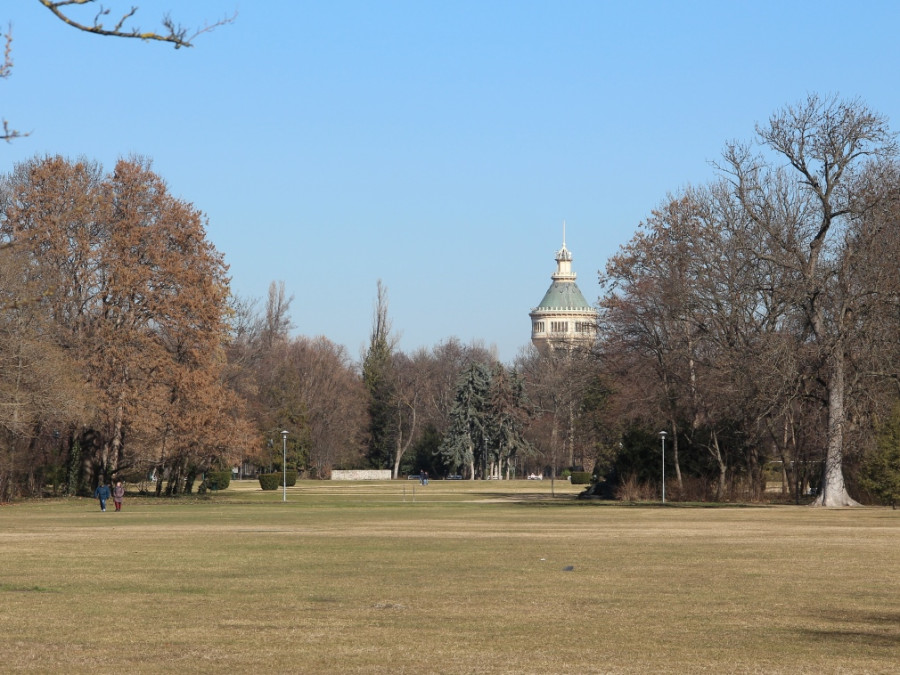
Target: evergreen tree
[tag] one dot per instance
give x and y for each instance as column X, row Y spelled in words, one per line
column 880, row 473
column 507, row 417
column 379, row 381
column 466, row 441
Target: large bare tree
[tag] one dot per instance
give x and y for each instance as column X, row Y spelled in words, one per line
column 804, row 198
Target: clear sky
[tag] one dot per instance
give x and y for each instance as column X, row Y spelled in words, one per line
column 438, row 146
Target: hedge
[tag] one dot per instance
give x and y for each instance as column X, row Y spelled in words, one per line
column 270, row 481
column 218, row 480
column 291, row 478
column 581, row 478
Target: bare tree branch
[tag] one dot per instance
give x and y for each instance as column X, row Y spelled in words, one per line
column 5, row 70
column 175, row 33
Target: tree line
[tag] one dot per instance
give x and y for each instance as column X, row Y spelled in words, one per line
column 757, row 315
column 754, row 319
column 123, row 354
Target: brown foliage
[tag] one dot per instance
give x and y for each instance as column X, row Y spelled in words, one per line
column 135, row 295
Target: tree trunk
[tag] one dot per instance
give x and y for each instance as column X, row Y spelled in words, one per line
column 403, row 445
column 675, row 458
column 785, row 438
column 832, row 491
column 114, row 451
column 570, row 435
column 756, row 473
column 720, row 462
column 73, row 479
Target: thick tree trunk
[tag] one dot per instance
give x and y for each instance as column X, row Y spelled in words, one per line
column 757, row 475
column 402, row 445
column 785, row 439
column 785, row 480
column 723, row 468
column 832, row 491
column 114, row 454
column 675, row 458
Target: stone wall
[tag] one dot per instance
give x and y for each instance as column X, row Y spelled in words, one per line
column 361, row 474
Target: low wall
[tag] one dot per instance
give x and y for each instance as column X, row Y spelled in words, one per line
column 361, row 474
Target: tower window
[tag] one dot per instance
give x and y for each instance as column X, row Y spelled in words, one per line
column 559, row 326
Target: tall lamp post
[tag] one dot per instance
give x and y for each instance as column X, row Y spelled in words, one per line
column 284, row 435
column 662, row 436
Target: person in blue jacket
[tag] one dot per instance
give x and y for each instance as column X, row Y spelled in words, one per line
column 102, row 493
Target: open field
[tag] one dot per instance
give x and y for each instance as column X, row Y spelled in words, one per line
column 491, row 577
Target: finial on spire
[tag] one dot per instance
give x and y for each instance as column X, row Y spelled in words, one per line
column 563, row 253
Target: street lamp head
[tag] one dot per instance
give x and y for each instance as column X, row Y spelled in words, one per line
column 284, row 434
column 662, row 435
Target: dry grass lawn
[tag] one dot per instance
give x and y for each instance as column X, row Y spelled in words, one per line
column 492, row 577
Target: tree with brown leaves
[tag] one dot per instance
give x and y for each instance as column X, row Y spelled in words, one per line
column 136, row 295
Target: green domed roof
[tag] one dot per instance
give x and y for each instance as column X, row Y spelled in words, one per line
column 564, row 295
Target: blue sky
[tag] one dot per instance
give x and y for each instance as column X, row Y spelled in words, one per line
column 438, row 146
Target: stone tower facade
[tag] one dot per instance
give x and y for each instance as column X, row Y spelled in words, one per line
column 564, row 319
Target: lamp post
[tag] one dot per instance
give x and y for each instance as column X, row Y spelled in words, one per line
column 284, row 435
column 662, row 436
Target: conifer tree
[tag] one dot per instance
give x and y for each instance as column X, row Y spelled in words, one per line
column 508, row 415
column 880, row 474
column 379, row 381
column 466, row 441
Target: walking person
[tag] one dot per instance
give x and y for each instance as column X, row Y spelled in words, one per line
column 102, row 493
column 118, row 495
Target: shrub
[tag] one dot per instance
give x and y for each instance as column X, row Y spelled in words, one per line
column 633, row 490
column 290, row 477
column 218, row 480
column 581, row 477
column 270, row 481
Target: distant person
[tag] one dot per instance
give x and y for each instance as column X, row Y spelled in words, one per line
column 102, row 493
column 118, row 495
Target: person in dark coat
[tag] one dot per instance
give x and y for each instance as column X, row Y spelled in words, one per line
column 118, row 494
column 102, row 493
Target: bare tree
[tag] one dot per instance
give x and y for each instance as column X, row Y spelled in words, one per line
column 277, row 320
column 556, row 382
column 803, row 209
